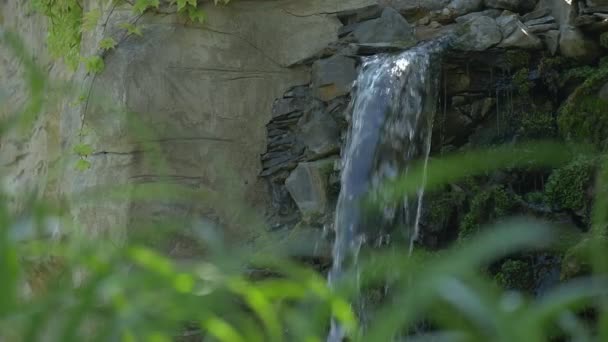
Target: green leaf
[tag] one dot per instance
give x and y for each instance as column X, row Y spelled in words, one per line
column 141, row 6
column 93, row 64
column 83, row 150
column 183, row 3
column 107, row 43
column 82, row 165
column 196, row 14
column 131, row 29
column 90, row 19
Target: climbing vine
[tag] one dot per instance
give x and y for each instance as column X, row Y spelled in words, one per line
column 68, row 21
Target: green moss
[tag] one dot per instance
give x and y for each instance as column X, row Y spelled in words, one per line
column 487, row 206
column 521, row 81
column 576, row 260
column 441, row 208
column 515, row 275
column 584, row 117
column 536, row 125
column 517, row 59
column 585, row 122
column 567, row 187
column 535, row 197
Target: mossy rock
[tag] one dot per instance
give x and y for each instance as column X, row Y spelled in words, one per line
column 584, row 116
column 442, row 207
column 578, row 259
column 538, row 124
column 567, row 187
column 521, row 82
column 517, row 59
column 487, row 206
column 515, row 275
column 586, row 122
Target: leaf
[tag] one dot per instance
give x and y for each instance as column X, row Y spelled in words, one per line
column 196, row 14
column 141, row 6
column 131, row 29
column 183, row 3
column 93, row 64
column 83, row 150
column 90, row 19
column 107, row 43
column 82, row 165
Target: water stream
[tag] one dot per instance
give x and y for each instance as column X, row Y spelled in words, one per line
column 394, row 101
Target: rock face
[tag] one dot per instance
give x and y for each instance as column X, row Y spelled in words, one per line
column 481, row 33
column 307, row 184
column 512, row 5
column 574, row 44
column 333, row 77
column 516, row 34
column 391, row 27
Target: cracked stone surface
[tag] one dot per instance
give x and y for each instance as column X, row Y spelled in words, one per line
column 201, row 96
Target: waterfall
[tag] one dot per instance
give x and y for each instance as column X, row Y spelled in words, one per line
column 394, row 100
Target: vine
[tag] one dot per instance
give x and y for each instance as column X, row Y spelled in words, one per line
column 67, row 23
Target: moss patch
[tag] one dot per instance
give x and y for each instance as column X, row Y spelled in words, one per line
column 585, row 122
column 567, row 187
column 441, row 208
column 540, row 124
column 584, row 116
column 487, row 206
column 515, row 275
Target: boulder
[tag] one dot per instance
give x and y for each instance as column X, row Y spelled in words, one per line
column 391, row 27
column 462, row 7
column 603, row 92
column 479, row 34
column 574, row 44
column 320, row 134
column 512, row 5
column 492, row 13
column 333, row 77
column 307, row 185
column 551, row 41
column 414, row 6
column 516, row 34
column 594, row 3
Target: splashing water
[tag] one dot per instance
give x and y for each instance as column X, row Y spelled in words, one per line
column 394, row 100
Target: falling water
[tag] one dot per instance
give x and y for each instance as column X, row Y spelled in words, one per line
column 393, row 104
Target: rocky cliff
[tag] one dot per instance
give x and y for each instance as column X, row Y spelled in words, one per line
column 251, row 108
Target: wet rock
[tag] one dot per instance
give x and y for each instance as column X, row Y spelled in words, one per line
column 512, row 5
column 480, row 108
column 539, row 13
column 411, row 7
column 320, row 134
column 492, row 13
column 574, row 44
column 516, row 34
column 603, row 92
column 551, row 41
column 593, row 3
column 391, row 27
column 307, row 185
column 479, row 34
column 333, row 77
column 462, row 7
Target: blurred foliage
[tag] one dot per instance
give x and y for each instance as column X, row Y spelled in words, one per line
column 62, row 285
column 569, row 186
